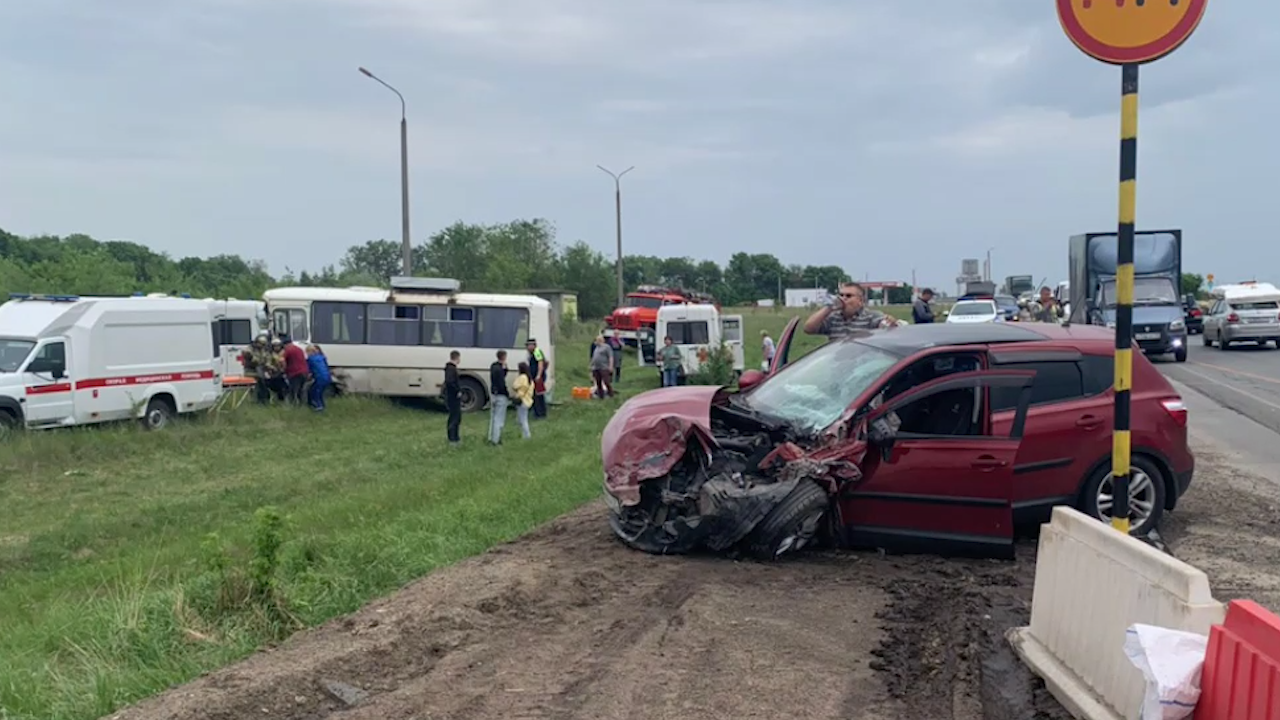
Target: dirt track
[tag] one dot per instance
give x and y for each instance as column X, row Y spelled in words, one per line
column 566, row 623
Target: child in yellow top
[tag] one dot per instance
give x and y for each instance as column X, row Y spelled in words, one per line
column 522, row 396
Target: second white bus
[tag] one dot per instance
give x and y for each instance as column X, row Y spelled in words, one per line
column 396, row 342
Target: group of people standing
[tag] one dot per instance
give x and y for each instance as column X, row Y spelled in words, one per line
column 528, row 391
column 281, row 368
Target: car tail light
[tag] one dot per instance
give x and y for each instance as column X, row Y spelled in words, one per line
column 1177, row 410
column 1195, row 312
column 1233, row 318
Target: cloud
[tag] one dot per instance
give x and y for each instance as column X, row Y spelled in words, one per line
column 644, row 35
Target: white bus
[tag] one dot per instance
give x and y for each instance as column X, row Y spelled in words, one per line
column 396, row 342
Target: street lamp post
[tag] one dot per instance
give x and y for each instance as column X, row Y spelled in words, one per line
column 617, row 196
column 406, row 246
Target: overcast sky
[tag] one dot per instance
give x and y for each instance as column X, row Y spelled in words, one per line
column 881, row 135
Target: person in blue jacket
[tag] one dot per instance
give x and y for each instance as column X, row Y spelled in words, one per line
column 318, row 364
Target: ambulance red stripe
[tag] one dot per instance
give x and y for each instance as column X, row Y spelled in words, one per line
column 49, row 389
column 144, row 379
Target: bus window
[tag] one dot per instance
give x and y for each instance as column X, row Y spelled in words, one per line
column 502, row 327
column 292, row 322
column 394, row 325
column 339, row 322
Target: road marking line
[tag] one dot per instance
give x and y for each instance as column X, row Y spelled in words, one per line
column 1238, row 372
column 1229, row 386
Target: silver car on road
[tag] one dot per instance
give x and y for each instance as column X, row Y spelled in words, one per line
column 1249, row 316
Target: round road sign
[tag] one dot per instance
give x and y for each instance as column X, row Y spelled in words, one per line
column 1122, row 32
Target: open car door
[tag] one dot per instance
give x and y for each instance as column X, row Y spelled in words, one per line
column 934, row 478
column 782, row 350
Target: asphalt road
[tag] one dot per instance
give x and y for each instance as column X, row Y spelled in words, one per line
column 1234, row 400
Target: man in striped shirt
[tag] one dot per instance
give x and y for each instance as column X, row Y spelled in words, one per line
column 846, row 315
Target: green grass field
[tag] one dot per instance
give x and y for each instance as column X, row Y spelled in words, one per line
column 132, row 561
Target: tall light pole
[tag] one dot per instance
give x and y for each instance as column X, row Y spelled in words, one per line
column 617, row 197
column 406, row 246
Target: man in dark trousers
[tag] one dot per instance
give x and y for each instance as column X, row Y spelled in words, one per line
column 453, row 397
column 295, row 370
column 538, row 369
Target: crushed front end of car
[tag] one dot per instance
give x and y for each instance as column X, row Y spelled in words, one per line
column 685, row 470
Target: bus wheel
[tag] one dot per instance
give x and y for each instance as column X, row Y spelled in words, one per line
column 471, row 394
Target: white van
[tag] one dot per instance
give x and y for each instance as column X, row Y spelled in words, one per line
column 695, row 329
column 69, row 361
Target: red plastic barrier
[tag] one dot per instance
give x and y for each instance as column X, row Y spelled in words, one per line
column 1241, row 679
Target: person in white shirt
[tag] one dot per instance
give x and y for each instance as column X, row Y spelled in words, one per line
column 767, row 348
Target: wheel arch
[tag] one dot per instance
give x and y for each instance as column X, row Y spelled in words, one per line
column 12, row 407
column 1159, row 459
column 480, row 384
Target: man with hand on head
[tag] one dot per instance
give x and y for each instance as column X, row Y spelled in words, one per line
column 846, row 315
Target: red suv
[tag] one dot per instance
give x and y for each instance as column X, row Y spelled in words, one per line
column 938, row 438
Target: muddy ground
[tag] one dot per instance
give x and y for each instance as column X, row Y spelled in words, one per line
column 566, row 623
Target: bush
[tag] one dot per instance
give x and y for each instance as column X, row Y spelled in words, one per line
column 717, row 369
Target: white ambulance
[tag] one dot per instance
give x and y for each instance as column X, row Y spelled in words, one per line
column 68, row 361
column 695, row 329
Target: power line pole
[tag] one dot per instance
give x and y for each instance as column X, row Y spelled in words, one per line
column 406, row 245
column 617, row 196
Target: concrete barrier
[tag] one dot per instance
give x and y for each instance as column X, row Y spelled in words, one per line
column 1091, row 584
column 1241, row 678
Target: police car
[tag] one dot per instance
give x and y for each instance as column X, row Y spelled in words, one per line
column 975, row 310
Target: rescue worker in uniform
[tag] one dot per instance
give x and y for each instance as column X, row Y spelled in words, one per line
column 256, row 362
column 274, row 365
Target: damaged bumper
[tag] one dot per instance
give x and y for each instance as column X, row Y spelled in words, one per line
column 678, row 482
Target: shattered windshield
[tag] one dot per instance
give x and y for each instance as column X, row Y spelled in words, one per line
column 1146, row 291
column 813, row 392
column 12, row 353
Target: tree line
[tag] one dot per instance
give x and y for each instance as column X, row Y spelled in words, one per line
column 515, row 256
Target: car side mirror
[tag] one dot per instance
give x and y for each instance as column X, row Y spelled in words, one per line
column 750, row 379
column 46, row 367
column 881, row 432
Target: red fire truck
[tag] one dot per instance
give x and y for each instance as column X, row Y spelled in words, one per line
column 635, row 321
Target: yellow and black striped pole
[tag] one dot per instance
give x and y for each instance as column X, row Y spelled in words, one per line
column 1120, row 443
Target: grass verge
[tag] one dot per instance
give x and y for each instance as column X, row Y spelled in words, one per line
column 133, row 561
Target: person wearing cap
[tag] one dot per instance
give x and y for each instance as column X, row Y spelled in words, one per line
column 275, row 369
column 255, row 359
column 538, row 366
column 921, row 313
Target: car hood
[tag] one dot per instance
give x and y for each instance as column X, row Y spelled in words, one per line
column 649, row 434
column 1148, row 314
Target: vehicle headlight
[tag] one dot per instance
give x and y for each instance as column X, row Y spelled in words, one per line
column 1178, row 325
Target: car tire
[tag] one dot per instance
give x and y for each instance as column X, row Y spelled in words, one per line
column 1204, row 339
column 471, row 395
column 792, row 525
column 159, row 414
column 1223, row 343
column 1180, row 355
column 8, row 425
column 1139, row 463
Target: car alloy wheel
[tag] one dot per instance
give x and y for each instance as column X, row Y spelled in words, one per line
column 1142, row 497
